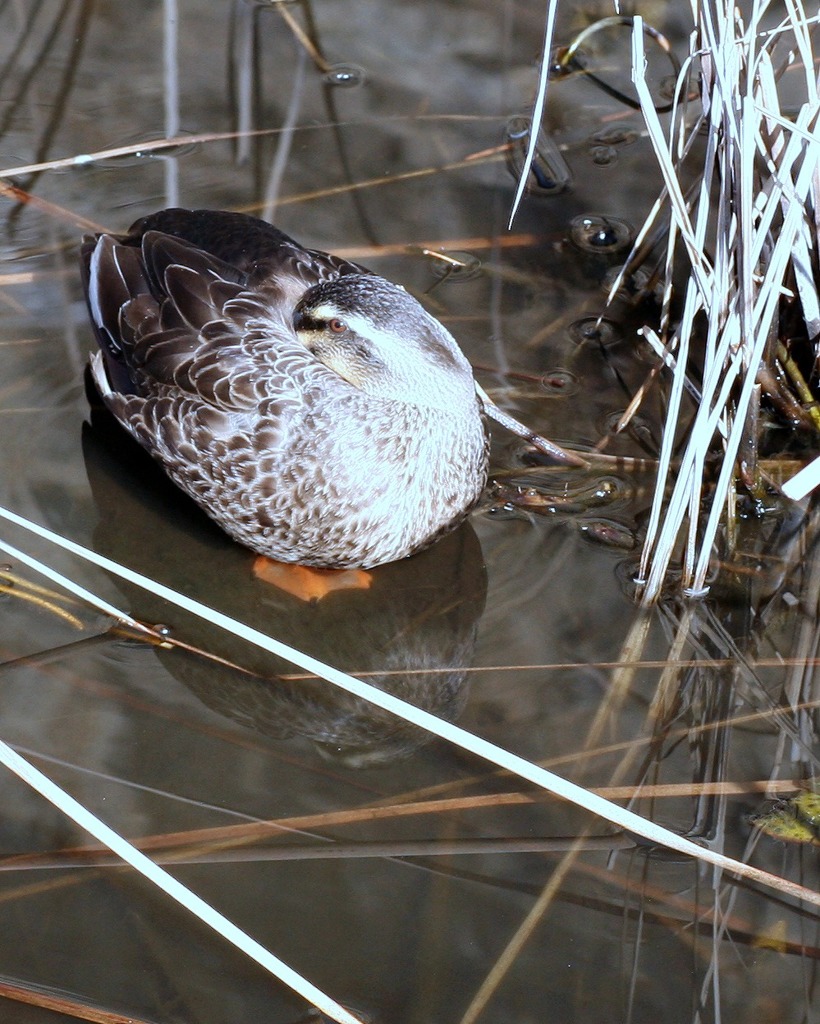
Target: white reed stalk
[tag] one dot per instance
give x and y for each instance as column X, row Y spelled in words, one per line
column 739, row 97
column 538, row 109
column 623, row 818
column 176, row 890
column 804, row 482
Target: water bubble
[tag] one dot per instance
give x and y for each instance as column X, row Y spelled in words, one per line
column 645, row 352
column 607, row 490
column 603, row 60
column 552, row 495
column 137, row 154
column 612, row 422
column 163, row 630
column 595, row 329
column 598, row 234
column 549, row 174
column 604, row 156
column 506, row 511
column 609, row 532
column 637, row 428
column 559, row 382
column 454, row 266
column 345, row 76
column 627, row 575
column 559, row 66
column 636, row 284
column 614, row 135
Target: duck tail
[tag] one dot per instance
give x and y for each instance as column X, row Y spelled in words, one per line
column 112, row 276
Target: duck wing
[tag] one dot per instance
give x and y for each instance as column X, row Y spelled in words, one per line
column 191, row 358
column 257, row 249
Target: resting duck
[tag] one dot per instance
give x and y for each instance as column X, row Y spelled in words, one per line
column 313, row 409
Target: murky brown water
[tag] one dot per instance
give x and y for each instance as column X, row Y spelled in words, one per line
column 520, row 626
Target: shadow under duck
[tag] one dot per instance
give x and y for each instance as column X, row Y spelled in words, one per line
column 313, row 409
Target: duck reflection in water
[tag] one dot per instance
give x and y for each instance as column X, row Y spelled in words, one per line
column 412, row 631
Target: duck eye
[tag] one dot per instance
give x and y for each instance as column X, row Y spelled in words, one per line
column 337, row 326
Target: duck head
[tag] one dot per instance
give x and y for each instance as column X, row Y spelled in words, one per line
column 381, row 340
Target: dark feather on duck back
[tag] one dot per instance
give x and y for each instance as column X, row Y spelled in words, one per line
column 253, row 247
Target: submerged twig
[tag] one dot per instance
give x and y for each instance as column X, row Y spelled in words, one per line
column 58, row 1002
column 624, row 819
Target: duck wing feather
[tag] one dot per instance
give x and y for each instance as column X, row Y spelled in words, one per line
column 187, row 346
column 256, row 249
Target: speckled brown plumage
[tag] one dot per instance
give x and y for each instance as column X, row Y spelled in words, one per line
column 313, row 409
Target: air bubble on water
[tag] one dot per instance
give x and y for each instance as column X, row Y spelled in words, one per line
column 614, row 135
column 636, row 282
column 548, row 173
column 345, row 76
column 559, row 382
column 599, row 234
column 593, row 329
column 608, row 532
column 604, row 156
column 161, row 629
column 455, row 266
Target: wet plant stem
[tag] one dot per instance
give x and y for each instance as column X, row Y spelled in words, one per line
column 809, row 406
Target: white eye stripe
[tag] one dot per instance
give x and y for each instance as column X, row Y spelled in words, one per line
column 326, row 311
column 363, row 327
column 357, row 323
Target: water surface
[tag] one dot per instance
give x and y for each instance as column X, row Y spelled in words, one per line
column 521, row 626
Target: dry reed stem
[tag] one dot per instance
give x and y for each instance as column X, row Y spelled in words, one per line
column 517, row 765
column 761, row 234
column 34, row 995
column 171, row 846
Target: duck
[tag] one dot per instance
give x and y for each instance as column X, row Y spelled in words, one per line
column 313, row 409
